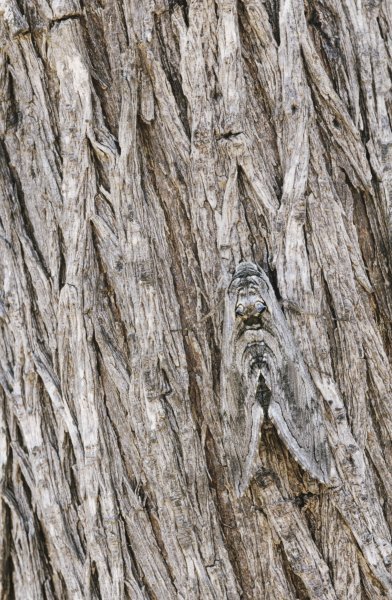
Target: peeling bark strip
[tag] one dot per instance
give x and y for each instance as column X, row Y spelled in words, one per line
column 147, row 148
column 264, row 377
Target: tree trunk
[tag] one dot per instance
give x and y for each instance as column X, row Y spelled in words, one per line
column 148, row 148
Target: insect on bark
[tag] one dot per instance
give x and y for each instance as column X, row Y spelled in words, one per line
column 264, row 378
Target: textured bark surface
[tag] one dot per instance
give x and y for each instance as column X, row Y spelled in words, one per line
column 264, row 382
column 147, row 147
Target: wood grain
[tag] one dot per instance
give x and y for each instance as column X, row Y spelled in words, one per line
column 147, row 148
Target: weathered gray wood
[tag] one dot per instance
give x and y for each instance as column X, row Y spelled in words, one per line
column 147, row 148
column 263, row 376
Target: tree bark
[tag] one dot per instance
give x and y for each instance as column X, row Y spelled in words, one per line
column 148, row 147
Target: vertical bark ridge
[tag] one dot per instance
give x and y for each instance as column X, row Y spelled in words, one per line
column 146, row 149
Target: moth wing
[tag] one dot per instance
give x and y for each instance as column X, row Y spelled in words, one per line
column 243, row 417
column 296, row 414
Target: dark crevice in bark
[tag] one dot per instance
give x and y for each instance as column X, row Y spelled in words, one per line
column 383, row 29
column 374, row 246
column 330, row 325
column 370, row 586
column 31, row 304
column 14, row 116
column 20, row 201
column 195, row 396
column 255, row 88
column 306, row 229
column 183, row 4
column 364, row 595
column 171, row 419
column 153, row 517
column 364, row 131
column 136, row 569
column 118, row 449
column 6, row 544
column 62, row 272
column 383, row 498
column 322, row 22
column 21, row 28
column 273, row 277
column 63, row 585
column 8, row 565
column 379, row 425
column 381, row 207
column 94, row 582
column 229, row 135
column 101, row 75
column 96, row 163
column 47, row 411
column 309, row 505
column 173, row 77
column 325, row 135
column 104, row 208
column 216, row 9
column 256, row 222
column 123, row 21
column 105, row 289
column 273, row 8
column 55, row 21
column 270, row 447
column 43, row 550
column 29, row 10
column 293, row 580
column 50, row 86
column 216, row 357
column 388, row 104
column 69, row 462
column 27, row 492
column 18, row 437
